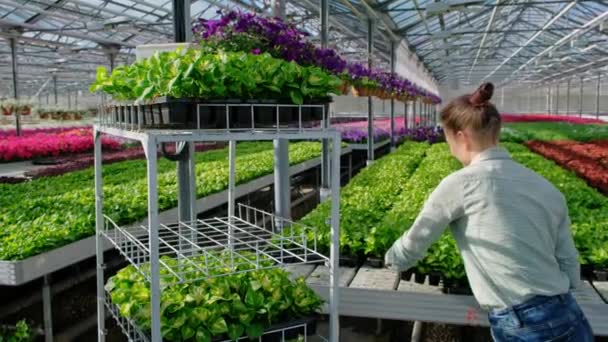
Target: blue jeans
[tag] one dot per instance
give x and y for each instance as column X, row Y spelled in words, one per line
column 541, row 318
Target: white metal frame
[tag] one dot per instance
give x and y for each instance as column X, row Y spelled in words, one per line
column 150, row 140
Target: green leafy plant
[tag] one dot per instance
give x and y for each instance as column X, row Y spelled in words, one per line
column 365, row 200
column 62, row 209
column 443, row 255
column 234, row 305
column 547, row 131
column 588, row 208
column 197, row 73
column 21, row 332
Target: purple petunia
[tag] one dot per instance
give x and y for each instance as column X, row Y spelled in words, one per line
column 284, row 40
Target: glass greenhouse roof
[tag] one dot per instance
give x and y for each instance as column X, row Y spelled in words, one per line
column 464, row 41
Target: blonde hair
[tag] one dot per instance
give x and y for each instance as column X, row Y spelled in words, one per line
column 475, row 112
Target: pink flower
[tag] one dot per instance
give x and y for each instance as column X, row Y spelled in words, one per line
column 51, row 144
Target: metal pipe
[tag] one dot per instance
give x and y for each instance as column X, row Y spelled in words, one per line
column 370, row 103
column 282, row 193
column 153, row 225
column 99, row 226
column 548, row 99
column 46, row 309
column 231, row 188
column 55, row 88
column 568, row 97
column 580, row 112
column 393, row 64
column 405, row 115
column 334, row 272
column 597, row 96
column 414, row 123
column 325, row 174
column 278, row 8
column 112, row 58
column 69, row 99
column 181, row 20
column 557, row 99
column 13, row 43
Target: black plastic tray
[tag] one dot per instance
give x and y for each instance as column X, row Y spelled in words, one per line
column 186, row 113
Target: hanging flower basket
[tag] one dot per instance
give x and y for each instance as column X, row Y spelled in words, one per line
column 25, row 110
column 7, row 111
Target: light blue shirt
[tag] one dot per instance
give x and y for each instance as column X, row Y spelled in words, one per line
column 510, row 224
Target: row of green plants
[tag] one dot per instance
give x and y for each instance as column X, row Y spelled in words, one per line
column 588, row 208
column 21, row 332
column 197, row 73
column 365, row 200
column 369, row 225
column 549, row 131
column 50, row 212
column 234, row 305
column 442, row 255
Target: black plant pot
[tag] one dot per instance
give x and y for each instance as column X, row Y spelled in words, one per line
column 275, row 332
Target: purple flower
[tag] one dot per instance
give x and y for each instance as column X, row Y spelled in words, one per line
column 256, row 51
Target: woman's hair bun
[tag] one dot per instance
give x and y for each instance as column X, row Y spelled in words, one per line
column 482, row 95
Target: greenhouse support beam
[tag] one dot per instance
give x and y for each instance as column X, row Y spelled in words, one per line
column 69, row 99
column 181, row 21
column 414, row 125
column 46, row 309
column 370, row 102
column 597, row 96
column 112, row 59
column 580, row 98
column 55, row 88
column 99, row 239
column 393, row 63
column 557, row 99
column 282, row 186
column 278, row 8
column 186, row 190
column 13, row 42
column 324, row 188
column 529, row 99
column 334, row 254
column 568, row 97
column 549, row 99
column 150, row 147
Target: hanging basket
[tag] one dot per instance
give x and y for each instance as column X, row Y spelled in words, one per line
column 7, row 110
column 25, row 110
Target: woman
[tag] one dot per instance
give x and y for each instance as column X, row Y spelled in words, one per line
column 512, row 229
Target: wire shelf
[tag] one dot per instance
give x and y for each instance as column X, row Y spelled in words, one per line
column 129, row 329
column 192, row 251
column 298, row 331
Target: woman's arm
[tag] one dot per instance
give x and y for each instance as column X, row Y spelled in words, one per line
column 443, row 206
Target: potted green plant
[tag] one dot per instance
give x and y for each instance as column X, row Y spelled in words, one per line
column 170, row 85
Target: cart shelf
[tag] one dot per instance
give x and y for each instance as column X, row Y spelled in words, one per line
column 253, row 239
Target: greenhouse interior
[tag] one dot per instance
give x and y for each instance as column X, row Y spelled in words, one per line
column 303, row 170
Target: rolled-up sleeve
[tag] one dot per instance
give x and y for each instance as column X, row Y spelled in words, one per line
column 444, row 205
